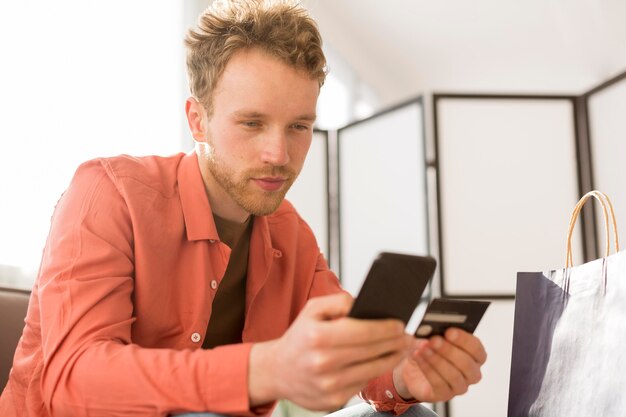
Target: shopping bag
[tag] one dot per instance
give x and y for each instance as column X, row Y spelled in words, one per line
column 569, row 338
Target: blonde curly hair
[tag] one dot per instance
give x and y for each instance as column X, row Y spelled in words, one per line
column 281, row 28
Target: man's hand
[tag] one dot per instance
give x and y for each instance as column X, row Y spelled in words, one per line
column 325, row 358
column 441, row 368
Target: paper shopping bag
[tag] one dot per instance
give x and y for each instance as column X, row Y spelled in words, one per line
column 569, row 339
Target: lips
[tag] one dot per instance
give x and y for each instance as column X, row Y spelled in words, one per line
column 270, row 183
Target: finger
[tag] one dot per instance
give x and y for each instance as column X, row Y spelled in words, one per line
column 353, row 332
column 459, row 358
column 332, row 359
column 412, row 344
column 439, row 388
column 467, row 342
column 328, row 307
column 418, row 343
column 448, row 372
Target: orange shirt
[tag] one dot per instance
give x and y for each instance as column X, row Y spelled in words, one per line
column 121, row 305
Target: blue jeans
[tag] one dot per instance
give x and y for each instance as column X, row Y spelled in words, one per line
column 358, row 410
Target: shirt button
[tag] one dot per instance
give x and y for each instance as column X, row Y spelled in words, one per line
column 195, row 337
column 389, row 394
column 211, row 240
column 214, row 284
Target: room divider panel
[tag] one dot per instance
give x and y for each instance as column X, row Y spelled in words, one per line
column 606, row 107
column 507, row 179
column 382, row 189
column 310, row 193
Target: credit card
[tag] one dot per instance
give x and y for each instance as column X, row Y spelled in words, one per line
column 442, row 314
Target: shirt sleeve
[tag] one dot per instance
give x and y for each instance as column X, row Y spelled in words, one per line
column 381, row 394
column 325, row 281
column 90, row 364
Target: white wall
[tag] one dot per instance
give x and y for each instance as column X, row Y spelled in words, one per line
column 408, row 47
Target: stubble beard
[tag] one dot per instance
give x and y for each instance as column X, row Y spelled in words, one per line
column 249, row 197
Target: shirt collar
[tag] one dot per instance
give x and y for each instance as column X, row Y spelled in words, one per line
column 197, row 212
column 199, row 222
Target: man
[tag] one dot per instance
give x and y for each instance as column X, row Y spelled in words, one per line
column 187, row 284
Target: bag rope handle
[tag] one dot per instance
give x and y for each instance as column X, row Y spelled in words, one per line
column 605, row 202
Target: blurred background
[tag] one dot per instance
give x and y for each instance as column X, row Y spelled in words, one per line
column 466, row 130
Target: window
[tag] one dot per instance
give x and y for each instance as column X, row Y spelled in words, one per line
column 344, row 97
column 79, row 80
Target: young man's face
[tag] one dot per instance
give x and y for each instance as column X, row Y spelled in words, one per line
column 253, row 146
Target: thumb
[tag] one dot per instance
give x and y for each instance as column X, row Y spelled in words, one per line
column 328, row 307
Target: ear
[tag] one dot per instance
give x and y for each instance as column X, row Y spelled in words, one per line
column 195, row 118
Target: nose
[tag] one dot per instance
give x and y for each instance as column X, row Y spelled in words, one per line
column 275, row 149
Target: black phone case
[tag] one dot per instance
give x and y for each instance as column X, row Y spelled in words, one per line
column 393, row 286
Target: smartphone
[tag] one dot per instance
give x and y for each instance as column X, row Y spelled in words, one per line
column 393, row 286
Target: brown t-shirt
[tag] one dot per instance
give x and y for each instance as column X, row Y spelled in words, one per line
column 229, row 305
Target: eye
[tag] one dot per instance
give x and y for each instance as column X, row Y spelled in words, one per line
column 300, row 127
column 251, row 123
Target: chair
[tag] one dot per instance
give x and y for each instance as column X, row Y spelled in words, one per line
column 13, row 306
